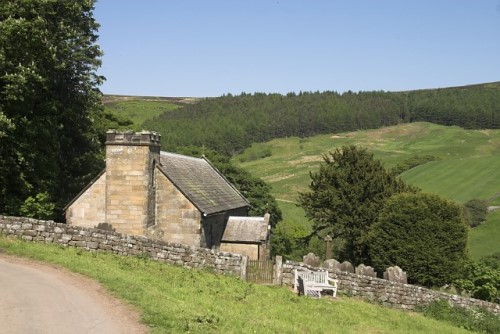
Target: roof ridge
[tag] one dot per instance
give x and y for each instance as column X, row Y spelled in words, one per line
column 164, row 153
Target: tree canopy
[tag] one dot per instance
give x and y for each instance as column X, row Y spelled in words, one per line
column 345, row 197
column 49, row 100
column 424, row 234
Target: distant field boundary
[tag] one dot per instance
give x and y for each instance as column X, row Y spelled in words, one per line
column 120, row 98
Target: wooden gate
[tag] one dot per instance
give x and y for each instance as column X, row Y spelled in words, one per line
column 260, row 272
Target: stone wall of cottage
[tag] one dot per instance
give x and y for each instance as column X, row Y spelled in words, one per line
column 89, row 209
column 177, row 219
column 96, row 240
column 130, row 164
column 391, row 294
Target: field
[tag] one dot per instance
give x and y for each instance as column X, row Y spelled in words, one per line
column 139, row 109
column 176, row 300
column 466, row 166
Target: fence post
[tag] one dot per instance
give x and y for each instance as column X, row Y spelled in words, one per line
column 278, row 270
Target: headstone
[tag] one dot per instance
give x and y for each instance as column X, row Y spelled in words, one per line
column 347, row 266
column 311, row 260
column 331, row 265
column 395, row 274
column 365, row 271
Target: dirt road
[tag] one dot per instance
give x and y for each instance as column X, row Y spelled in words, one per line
column 39, row 298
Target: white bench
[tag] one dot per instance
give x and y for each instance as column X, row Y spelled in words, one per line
column 312, row 283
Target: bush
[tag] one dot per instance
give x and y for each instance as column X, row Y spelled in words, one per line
column 255, row 154
column 412, row 163
column 475, row 212
column 40, row 207
column 480, row 281
column 492, row 260
column 472, row 319
column 422, row 233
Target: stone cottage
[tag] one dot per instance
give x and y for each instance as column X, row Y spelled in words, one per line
column 166, row 196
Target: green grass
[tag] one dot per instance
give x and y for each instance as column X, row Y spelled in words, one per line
column 287, row 169
column 485, row 238
column 139, row 110
column 459, row 180
column 467, row 165
column 175, row 300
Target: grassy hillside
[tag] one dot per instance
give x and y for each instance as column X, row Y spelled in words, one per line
column 139, row 109
column 460, row 180
column 176, row 300
column 464, row 152
column 467, row 165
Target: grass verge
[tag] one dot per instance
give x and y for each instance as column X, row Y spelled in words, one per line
column 175, row 300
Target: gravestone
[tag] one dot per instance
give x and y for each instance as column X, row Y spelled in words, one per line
column 395, row 274
column 347, row 266
column 365, row 271
column 312, row 260
column 331, row 265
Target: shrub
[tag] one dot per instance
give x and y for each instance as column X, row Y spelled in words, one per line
column 412, row 163
column 472, row 319
column 40, row 207
column 480, row 281
column 492, row 260
column 475, row 212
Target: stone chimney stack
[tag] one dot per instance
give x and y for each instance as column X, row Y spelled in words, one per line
column 130, row 163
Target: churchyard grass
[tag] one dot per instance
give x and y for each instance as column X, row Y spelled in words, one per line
column 174, row 299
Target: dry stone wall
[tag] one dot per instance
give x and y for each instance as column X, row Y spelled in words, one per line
column 392, row 294
column 96, row 240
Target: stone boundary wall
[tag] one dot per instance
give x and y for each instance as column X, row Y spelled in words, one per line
column 96, row 240
column 392, row 294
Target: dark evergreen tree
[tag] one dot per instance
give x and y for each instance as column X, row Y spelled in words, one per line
column 345, row 197
column 423, row 234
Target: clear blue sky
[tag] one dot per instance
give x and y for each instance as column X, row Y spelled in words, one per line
column 214, row 47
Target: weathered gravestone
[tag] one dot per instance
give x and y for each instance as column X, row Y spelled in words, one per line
column 311, row 260
column 395, row 274
column 365, row 271
column 347, row 266
column 331, row 265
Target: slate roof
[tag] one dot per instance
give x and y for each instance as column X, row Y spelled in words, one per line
column 201, row 183
column 246, row 229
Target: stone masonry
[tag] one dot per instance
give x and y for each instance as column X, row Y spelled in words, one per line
column 130, row 162
column 95, row 240
column 392, row 294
